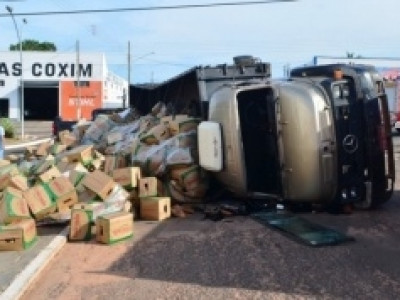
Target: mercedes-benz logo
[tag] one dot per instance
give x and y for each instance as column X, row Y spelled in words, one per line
column 350, row 143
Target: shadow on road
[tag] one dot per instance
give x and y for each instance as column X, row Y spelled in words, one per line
column 244, row 254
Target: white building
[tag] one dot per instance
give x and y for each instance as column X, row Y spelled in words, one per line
column 53, row 84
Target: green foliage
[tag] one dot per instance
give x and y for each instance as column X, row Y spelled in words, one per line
column 8, row 126
column 34, row 45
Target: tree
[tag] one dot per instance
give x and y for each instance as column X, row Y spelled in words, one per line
column 34, row 45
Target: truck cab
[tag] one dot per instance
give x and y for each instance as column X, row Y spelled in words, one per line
column 318, row 137
column 363, row 128
column 276, row 141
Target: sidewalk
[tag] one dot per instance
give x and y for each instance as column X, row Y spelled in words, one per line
column 19, row 268
column 16, row 145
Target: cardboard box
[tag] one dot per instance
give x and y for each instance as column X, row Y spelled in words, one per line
column 50, row 174
column 13, row 206
column 65, row 167
column 166, row 120
column 43, row 149
column 57, row 148
column 65, row 202
column 18, row 236
column 5, row 180
column 127, row 177
column 6, row 172
column 13, row 158
column 183, row 123
column 66, row 138
column 118, row 194
column 155, row 208
column 192, row 178
column 30, row 151
column 9, row 168
column 95, row 164
column 100, row 183
column 185, row 174
column 150, row 187
column 155, row 135
column 86, row 195
column 64, row 193
column 114, row 227
column 113, row 162
column 98, row 155
column 20, row 182
column 101, row 208
column 101, row 125
column 82, row 154
column 128, row 207
column 4, row 162
column 39, row 201
column 114, row 137
column 44, row 164
column 80, row 226
column 76, row 177
column 81, row 127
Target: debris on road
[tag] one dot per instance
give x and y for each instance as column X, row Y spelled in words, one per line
column 106, row 173
column 301, row 229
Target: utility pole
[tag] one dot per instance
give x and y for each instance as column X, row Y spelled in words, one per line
column 126, row 98
column 22, row 104
column 286, row 70
column 78, row 84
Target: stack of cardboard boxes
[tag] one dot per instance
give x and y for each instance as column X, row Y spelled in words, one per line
column 60, row 189
column 17, row 227
column 101, row 176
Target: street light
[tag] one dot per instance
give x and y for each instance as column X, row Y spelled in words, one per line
column 22, row 109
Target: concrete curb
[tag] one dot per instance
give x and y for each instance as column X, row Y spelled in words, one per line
column 23, row 280
column 26, row 144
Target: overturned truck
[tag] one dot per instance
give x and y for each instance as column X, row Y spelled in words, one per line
column 321, row 136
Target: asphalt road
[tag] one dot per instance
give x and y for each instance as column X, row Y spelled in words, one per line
column 237, row 258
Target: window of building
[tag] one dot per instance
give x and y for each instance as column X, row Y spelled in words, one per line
column 82, row 83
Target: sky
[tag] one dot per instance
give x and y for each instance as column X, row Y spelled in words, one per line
column 165, row 43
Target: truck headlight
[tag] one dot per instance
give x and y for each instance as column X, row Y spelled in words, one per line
column 336, row 91
column 344, row 194
column 345, row 91
column 353, row 192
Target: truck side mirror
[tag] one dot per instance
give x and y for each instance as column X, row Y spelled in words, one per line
column 210, row 146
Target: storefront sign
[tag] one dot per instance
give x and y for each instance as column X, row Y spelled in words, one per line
column 37, row 69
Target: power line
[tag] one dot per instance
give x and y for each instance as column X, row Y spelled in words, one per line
column 148, row 8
